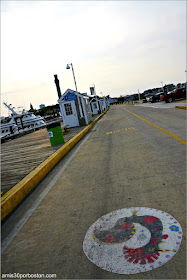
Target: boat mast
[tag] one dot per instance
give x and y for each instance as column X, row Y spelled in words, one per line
column 11, row 109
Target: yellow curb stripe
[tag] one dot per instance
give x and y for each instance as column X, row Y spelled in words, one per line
column 181, row 107
column 11, row 199
column 163, row 130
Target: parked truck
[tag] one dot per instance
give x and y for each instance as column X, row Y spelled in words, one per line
column 175, row 94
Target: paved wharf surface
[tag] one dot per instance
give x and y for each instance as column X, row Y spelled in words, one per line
column 133, row 156
column 21, row 155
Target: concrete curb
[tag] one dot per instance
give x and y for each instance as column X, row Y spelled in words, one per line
column 181, row 107
column 11, row 199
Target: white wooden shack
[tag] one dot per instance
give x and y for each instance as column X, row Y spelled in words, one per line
column 96, row 105
column 75, row 108
column 105, row 103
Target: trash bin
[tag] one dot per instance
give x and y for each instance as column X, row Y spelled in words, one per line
column 55, row 133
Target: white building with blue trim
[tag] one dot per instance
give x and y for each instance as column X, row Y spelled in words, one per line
column 75, row 108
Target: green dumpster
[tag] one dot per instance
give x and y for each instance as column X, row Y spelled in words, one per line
column 55, row 133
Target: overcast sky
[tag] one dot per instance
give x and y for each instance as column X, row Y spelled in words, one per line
column 120, row 46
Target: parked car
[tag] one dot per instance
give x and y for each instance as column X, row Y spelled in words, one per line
column 149, row 97
column 156, row 97
column 175, row 94
column 162, row 95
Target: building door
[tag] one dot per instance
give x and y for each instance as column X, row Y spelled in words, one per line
column 71, row 118
column 95, row 108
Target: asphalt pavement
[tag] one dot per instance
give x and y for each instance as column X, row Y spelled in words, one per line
column 133, row 157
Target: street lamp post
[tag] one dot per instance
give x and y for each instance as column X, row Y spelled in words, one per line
column 68, row 67
column 139, row 95
column 80, row 108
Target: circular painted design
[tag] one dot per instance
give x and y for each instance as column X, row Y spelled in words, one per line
column 132, row 240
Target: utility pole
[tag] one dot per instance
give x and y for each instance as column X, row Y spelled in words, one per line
column 57, row 86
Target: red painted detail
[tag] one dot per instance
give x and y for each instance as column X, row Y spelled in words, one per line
column 148, row 220
column 154, row 240
column 109, row 238
column 126, row 225
column 138, row 256
column 150, row 260
column 165, row 236
column 155, row 256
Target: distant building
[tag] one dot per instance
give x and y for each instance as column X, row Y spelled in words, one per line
column 111, row 100
column 128, row 98
column 42, row 106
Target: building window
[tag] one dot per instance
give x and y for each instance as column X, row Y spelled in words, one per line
column 94, row 106
column 68, row 109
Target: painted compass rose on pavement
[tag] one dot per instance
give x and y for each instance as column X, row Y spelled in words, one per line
column 132, row 240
